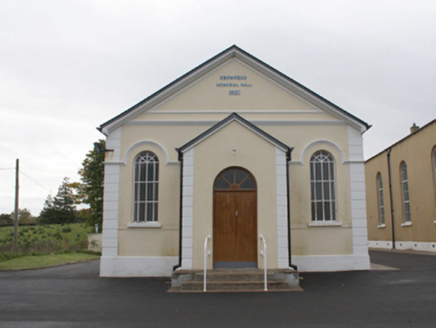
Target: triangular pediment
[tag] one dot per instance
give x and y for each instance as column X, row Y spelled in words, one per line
column 233, row 86
column 233, row 81
column 243, row 122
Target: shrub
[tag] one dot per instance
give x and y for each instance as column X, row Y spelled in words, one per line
column 57, row 235
column 48, row 238
column 65, row 251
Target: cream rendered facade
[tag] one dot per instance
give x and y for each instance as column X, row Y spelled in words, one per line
column 233, row 111
column 394, row 230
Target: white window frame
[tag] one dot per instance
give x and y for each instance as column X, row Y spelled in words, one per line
column 407, row 217
column 146, row 188
column 380, row 200
column 327, row 180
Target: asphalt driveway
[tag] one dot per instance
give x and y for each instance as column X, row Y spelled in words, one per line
column 74, row 296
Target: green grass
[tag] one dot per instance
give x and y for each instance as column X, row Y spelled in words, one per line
column 46, row 238
column 37, row 261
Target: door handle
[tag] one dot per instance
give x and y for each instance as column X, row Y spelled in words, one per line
column 236, row 213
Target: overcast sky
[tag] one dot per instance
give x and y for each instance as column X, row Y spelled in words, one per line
column 68, row 66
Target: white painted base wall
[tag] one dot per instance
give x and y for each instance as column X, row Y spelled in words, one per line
column 380, row 244
column 329, row 263
column 413, row 245
column 137, row 266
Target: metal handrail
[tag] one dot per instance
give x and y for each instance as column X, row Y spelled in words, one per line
column 206, row 254
column 263, row 253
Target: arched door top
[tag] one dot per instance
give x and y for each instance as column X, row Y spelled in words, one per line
column 235, row 178
column 235, row 219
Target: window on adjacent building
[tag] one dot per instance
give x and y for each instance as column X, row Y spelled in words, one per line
column 146, row 187
column 322, row 186
column 381, row 204
column 405, row 192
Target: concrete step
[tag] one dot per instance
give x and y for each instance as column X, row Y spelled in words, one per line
column 234, row 286
column 234, row 275
column 236, row 280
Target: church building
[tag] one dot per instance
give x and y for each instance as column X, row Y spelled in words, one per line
column 232, row 156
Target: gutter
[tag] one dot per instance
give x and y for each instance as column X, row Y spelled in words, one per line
column 388, row 154
column 178, row 265
column 288, row 159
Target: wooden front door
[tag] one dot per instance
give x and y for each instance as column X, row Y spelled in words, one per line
column 235, row 219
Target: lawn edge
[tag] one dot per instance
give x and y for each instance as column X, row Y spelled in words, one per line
column 51, row 266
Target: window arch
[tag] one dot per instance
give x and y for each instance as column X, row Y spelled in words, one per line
column 405, row 192
column 381, row 205
column 146, row 187
column 322, row 186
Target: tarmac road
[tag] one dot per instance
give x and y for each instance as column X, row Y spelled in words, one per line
column 74, row 296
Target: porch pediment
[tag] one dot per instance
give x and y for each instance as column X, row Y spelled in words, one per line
column 243, row 122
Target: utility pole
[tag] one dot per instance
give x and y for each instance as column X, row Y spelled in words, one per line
column 17, row 173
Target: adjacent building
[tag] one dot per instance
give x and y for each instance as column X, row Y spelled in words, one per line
column 234, row 150
column 401, row 192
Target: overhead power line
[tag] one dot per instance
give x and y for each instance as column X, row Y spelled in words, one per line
column 35, row 181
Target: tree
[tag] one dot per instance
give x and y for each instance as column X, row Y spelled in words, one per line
column 90, row 191
column 64, row 203
column 6, row 219
column 48, row 213
column 24, row 216
column 61, row 208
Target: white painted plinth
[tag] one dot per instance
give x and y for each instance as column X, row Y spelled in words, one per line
column 405, row 245
column 137, row 266
column 329, row 263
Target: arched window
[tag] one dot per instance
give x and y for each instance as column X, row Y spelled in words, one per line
column 381, row 204
column 322, row 186
column 146, row 187
column 234, row 178
column 405, row 192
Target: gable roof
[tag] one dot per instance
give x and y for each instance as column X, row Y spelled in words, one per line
column 401, row 140
column 232, row 52
column 231, row 118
